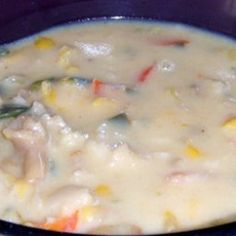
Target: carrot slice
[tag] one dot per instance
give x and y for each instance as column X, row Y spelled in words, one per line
column 96, row 86
column 64, row 224
column 145, row 73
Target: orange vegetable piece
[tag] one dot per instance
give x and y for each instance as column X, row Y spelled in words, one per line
column 145, row 73
column 96, row 86
column 64, row 224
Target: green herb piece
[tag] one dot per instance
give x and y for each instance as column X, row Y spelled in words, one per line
column 233, row 69
column 80, row 81
column 120, row 120
column 52, row 167
column 3, row 51
column 11, row 110
column 35, row 86
column 130, row 91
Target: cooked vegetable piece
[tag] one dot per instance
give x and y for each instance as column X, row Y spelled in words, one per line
column 130, row 91
column 230, row 124
column 12, row 110
column 170, row 221
column 103, row 190
column 88, row 212
column 192, row 151
column 72, row 70
column 37, row 84
column 4, row 51
column 96, row 86
column 10, row 85
column 101, row 101
column 64, row 224
column 80, row 81
column 121, row 120
column 49, row 93
column 64, row 56
column 44, row 43
column 145, row 73
column 52, row 168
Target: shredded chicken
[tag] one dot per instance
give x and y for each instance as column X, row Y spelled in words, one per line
column 29, row 139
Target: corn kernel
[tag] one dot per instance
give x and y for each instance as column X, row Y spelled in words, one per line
column 192, row 151
column 88, row 212
column 21, row 188
column 103, row 190
column 72, row 70
column 170, row 221
column 101, row 101
column 44, row 43
column 48, row 93
column 64, row 56
column 230, row 124
column 232, row 54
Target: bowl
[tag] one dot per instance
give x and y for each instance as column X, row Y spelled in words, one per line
column 23, row 18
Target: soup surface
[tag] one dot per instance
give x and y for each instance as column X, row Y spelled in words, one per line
column 125, row 127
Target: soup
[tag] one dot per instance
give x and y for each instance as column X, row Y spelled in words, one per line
column 118, row 127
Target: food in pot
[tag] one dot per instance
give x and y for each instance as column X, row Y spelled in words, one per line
column 118, row 127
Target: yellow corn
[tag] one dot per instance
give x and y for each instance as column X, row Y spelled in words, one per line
column 21, row 188
column 44, row 43
column 230, row 124
column 103, row 190
column 72, row 70
column 192, row 151
column 88, row 212
column 101, row 101
column 170, row 221
column 64, row 56
column 232, row 54
column 48, row 93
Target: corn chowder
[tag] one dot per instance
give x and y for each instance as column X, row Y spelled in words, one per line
column 118, row 128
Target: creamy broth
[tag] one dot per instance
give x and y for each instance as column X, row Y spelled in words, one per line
column 126, row 127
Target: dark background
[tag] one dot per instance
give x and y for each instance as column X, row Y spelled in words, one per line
column 19, row 18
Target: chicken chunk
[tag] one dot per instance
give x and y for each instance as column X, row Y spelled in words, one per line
column 28, row 137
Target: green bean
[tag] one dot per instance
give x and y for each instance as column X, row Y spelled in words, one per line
column 12, row 110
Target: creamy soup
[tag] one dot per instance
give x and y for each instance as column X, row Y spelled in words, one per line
column 118, row 128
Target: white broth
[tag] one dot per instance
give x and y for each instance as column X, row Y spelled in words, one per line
column 118, row 127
